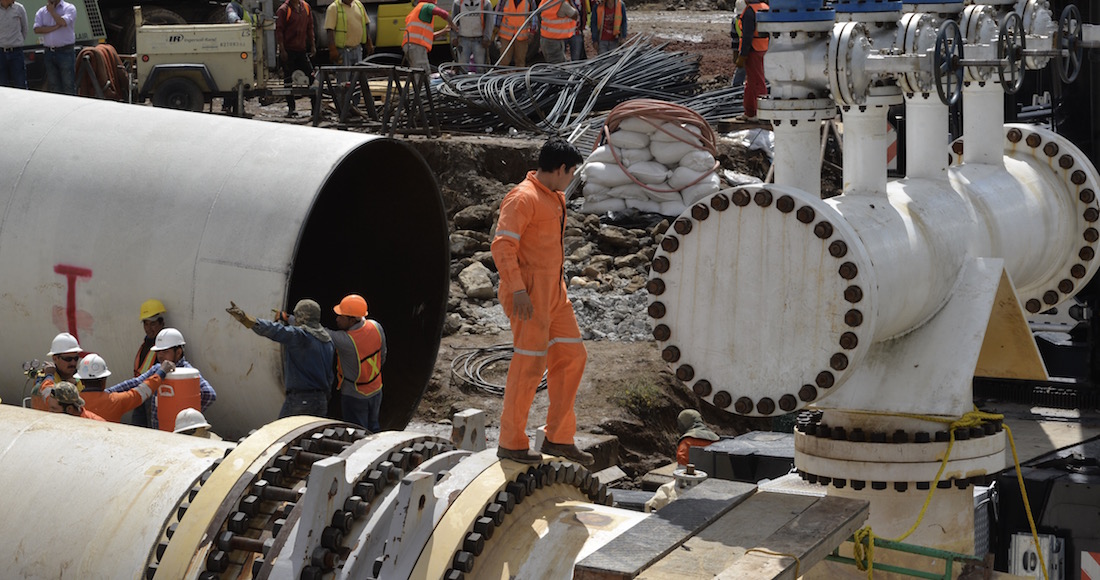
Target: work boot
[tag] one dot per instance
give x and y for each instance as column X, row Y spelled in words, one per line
column 570, row 452
column 520, row 455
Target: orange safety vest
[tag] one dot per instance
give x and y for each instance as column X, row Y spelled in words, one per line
column 416, row 30
column 555, row 27
column 142, row 365
column 368, row 349
column 513, row 19
column 759, row 41
column 618, row 18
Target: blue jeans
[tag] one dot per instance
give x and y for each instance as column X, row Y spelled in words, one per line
column 305, row 403
column 61, row 70
column 576, row 47
column 363, row 412
column 13, row 72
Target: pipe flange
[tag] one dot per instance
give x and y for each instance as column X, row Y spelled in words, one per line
column 898, row 486
column 844, row 444
column 1073, row 168
column 848, row 49
column 979, row 26
column 795, row 110
column 917, row 35
column 822, row 300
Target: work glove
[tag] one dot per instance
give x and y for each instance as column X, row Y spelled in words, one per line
column 739, row 62
column 166, row 367
column 240, row 316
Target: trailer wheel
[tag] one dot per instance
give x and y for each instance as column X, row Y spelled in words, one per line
column 178, row 93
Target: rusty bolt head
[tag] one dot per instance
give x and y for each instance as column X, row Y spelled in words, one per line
column 848, row 270
column 763, row 198
column 957, row 147
column 662, row 332
column 670, row 354
column 1051, row 149
column 1014, row 135
column 723, row 400
column 700, row 211
column 1077, row 177
column 655, row 286
column 838, row 362
column 823, row 230
column 1033, row 306
column 785, row 204
column 825, row 379
column 1065, row 286
column 1033, row 140
column 670, row 244
column 788, row 402
column 682, row 226
column 1086, row 254
column 720, row 202
column 1087, row 196
column 1091, row 235
column 807, row 393
column 805, row 214
column 765, row 406
column 853, row 294
column 702, row 388
column 1091, row 214
column 1078, row 271
column 743, row 405
column 685, row 373
column 849, row 340
column 740, row 198
column 1050, row 297
column 1065, row 162
column 838, row 249
column 657, row 310
column 660, row 264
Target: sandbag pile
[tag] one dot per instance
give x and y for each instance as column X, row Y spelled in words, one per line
column 655, row 167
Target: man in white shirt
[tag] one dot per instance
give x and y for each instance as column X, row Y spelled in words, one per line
column 13, row 33
column 54, row 23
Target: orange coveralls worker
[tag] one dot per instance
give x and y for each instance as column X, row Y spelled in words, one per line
column 529, row 253
column 113, row 405
column 751, row 53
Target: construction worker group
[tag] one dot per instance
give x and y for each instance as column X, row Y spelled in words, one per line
column 316, row 360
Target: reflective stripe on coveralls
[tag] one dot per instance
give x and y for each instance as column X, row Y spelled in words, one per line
column 759, row 43
column 416, row 30
column 366, row 339
column 554, row 26
column 513, row 19
column 342, row 24
column 528, row 251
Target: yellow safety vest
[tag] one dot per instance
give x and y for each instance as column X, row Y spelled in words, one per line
column 342, row 23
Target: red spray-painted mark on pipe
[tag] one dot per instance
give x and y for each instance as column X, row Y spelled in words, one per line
column 71, row 273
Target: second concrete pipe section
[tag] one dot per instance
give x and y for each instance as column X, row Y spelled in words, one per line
column 104, row 205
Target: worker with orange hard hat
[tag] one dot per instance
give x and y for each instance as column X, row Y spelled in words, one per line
column 360, row 353
column 528, row 251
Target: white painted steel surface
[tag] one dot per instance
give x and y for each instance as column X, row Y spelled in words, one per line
column 89, row 499
column 104, row 205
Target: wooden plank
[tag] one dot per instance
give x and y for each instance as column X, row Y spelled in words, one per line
column 811, row 536
column 651, row 539
column 720, row 545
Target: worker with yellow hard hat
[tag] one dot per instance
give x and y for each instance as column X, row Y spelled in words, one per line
column 152, row 320
column 360, row 353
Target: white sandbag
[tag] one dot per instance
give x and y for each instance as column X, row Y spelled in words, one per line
column 631, row 156
column 670, row 152
column 628, row 191
column 685, row 177
column 698, row 160
column 663, row 192
column 649, row 172
column 638, row 125
column 670, row 132
column 605, row 174
column 592, row 188
column 628, row 139
column 708, row 186
column 673, row 208
column 603, row 206
column 601, row 154
column 649, row 206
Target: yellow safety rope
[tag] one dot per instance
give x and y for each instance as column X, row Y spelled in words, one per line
column 797, row 561
column 864, row 539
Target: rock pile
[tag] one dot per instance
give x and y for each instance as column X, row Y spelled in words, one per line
column 606, row 266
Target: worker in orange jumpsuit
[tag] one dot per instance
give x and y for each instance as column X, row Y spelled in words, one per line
column 113, row 403
column 750, row 56
column 693, row 433
column 528, row 251
column 63, row 397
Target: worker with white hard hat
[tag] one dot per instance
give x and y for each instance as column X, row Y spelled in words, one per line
column 152, row 321
column 192, row 422
column 113, row 403
column 168, row 347
column 65, row 354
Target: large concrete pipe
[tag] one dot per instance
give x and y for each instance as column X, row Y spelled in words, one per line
column 104, row 205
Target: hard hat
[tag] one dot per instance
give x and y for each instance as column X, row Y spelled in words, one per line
column 92, row 367
column 188, row 419
column 166, row 339
column 63, row 343
column 152, row 308
column 352, row 305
